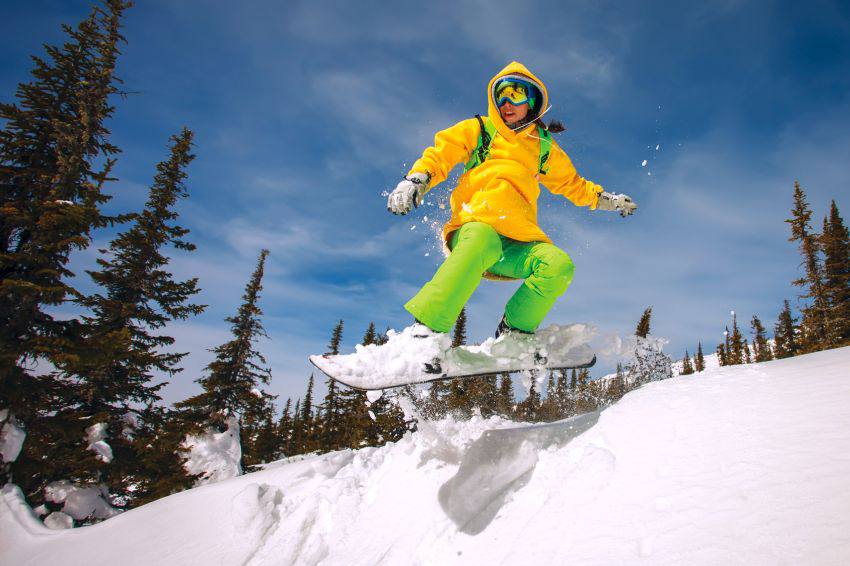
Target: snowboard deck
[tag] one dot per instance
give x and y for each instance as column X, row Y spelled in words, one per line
column 464, row 364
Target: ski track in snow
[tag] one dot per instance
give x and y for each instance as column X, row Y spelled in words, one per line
column 737, row 465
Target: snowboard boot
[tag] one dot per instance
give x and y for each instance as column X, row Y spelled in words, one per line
column 422, row 331
column 504, row 329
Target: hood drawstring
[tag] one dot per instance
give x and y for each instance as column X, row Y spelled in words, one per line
column 528, row 133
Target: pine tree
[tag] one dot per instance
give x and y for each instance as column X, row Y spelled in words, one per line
column 785, row 334
column 506, row 396
column 55, row 158
column 761, row 347
column 699, row 359
column 353, row 408
column 260, row 437
column 687, row 368
column 528, row 410
column 585, row 400
column 329, row 409
column 307, row 420
column 284, row 428
column 815, row 314
column 835, row 242
column 562, row 393
column 336, row 339
column 296, row 437
column 549, row 407
column 735, row 346
column 617, row 387
column 458, row 398
column 159, row 470
column 721, row 355
column 643, row 324
column 118, row 351
column 231, row 386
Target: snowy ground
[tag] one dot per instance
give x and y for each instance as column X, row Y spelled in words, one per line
column 741, row 465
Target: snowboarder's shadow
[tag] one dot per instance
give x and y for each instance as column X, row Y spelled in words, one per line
column 498, row 464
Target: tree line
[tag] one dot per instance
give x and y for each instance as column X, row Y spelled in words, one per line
column 823, row 302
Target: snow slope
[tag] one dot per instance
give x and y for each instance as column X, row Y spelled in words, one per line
column 736, row 465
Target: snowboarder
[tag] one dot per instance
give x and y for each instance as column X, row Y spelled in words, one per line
column 493, row 230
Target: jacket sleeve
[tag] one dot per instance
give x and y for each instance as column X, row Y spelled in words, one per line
column 451, row 146
column 563, row 179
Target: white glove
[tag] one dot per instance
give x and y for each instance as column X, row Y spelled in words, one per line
column 621, row 203
column 408, row 193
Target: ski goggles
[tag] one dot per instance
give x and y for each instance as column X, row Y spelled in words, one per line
column 514, row 91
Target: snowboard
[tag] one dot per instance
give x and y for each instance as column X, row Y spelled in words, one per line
column 408, row 359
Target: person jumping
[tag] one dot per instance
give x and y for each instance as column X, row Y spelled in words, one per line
column 493, row 231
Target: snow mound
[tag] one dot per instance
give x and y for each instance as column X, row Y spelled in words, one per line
column 11, row 437
column 215, row 456
column 743, row 465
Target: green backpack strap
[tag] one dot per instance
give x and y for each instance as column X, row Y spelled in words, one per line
column 485, row 138
column 545, row 150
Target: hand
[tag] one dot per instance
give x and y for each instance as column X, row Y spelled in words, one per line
column 408, row 193
column 621, row 203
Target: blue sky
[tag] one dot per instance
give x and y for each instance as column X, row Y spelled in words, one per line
column 306, row 113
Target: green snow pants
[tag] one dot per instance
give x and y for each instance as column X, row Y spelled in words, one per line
column 476, row 248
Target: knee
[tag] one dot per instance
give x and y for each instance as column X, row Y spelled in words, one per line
column 481, row 238
column 555, row 265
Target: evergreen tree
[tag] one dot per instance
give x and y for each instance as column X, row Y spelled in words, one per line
column 329, row 408
column 735, row 343
column 721, row 355
column 118, row 351
column 816, row 313
column 835, row 242
column 336, row 339
column 296, row 437
column 785, row 334
column 307, row 421
column 284, row 428
column 586, row 401
column 687, row 368
column 643, row 324
column 617, row 387
column 747, row 356
column 231, row 386
column 549, row 407
column 160, row 466
column 458, row 397
column 55, row 158
column 699, row 359
column 353, row 407
column 506, row 396
column 761, row 347
column 529, row 408
column 562, row 394
column 260, row 436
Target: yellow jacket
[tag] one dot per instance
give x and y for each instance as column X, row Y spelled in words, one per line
column 503, row 191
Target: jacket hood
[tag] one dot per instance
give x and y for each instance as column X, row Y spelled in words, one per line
column 513, row 68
